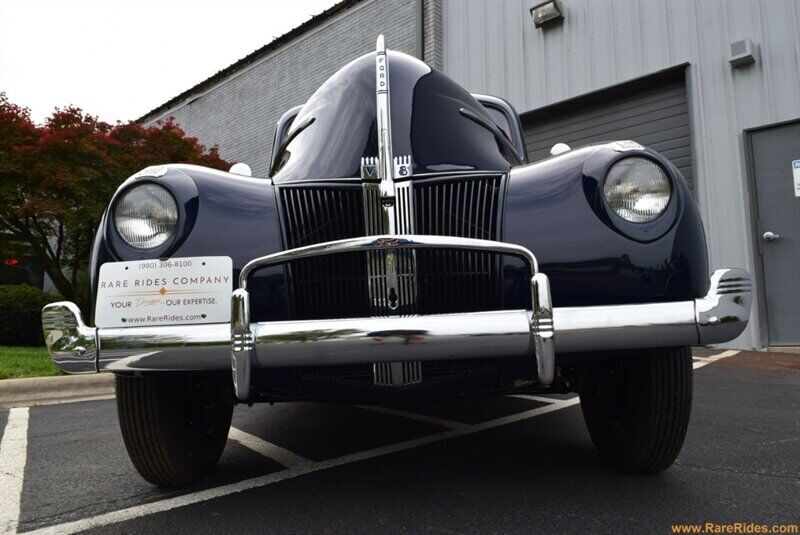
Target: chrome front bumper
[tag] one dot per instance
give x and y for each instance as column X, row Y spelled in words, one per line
column 242, row 345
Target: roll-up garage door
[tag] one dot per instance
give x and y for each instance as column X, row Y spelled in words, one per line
column 652, row 111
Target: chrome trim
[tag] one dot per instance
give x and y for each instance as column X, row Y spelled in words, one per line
column 165, row 348
column 397, row 373
column 72, row 345
column 403, row 167
column 400, row 241
column 625, row 145
column 718, row 317
column 384, row 282
column 404, row 278
column 387, row 272
column 392, row 339
column 384, row 118
column 300, row 343
column 375, row 218
column 770, row 236
column 723, row 313
column 404, row 208
column 381, row 373
column 281, row 128
column 541, row 328
column 153, row 171
column 375, row 222
column 387, row 207
column 369, row 168
column 243, row 352
column 624, row 326
column 512, row 117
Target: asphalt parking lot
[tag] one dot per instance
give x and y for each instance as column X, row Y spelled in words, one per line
column 489, row 465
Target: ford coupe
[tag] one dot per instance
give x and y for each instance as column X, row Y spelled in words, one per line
column 402, row 249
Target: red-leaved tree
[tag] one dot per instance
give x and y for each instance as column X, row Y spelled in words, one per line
column 56, row 180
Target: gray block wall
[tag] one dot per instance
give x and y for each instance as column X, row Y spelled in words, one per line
column 239, row 113
column 432, row 33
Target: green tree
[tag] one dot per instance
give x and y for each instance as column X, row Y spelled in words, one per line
column 56, row 180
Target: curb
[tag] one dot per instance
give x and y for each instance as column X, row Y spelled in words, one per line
column 60, row 389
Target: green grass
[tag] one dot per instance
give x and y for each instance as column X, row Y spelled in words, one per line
column 17, row 362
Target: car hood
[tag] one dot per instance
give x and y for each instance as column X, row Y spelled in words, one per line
column 337, row 127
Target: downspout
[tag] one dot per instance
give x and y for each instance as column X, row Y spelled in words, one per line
column 420, row 30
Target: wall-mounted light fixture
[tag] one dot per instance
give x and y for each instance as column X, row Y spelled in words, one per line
column 549, row 12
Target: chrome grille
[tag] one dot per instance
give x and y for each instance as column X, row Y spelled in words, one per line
column 405, row 260
column 397, row 373
column 464, row 207
column 467, row 208
column 319, row 214
column 407, row 373
column 334, row 286
column 428, row 281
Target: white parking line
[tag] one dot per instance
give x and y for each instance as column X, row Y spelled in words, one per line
column 261, row 481
column 703, row 361
column 450, row 424
column 13, row 453
column 298, row 466
column 534, row 398
column 268, row 449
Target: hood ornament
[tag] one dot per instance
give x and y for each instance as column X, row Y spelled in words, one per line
column 385, row 168
column 388, row 206
column 383, row 108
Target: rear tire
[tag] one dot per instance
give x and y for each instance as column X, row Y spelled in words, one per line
column 637, row 408
column 174, row 426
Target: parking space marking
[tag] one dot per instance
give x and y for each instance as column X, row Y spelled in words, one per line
column 703, row 361
column 534, row 398
column 450, row 424
column 298, row 466
column 13, row 453
column 209, row 494
column 268, row 449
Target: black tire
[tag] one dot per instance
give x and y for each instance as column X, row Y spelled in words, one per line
column 174, row 427
column 637, row 408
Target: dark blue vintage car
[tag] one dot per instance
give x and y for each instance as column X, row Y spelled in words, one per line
column 402, row 249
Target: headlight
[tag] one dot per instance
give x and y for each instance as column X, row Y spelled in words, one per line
column 146, row 216
column 637, row 189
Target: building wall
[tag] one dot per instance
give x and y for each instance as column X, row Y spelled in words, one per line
column 240, row 112
column 432, row 33
column 493, row 47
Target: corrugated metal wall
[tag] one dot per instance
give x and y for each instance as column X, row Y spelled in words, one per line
column 654, row 113
column 493, row 47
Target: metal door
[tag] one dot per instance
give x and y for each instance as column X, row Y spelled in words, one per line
column 773, row 151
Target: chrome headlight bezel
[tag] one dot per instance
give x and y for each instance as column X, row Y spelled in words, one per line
column 645, row 177
column 173, row 222
column 183, row 189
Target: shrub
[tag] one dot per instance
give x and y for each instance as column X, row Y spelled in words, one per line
column 21, row 315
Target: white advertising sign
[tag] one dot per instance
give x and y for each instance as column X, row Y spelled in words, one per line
column 176, row 291
column 796, row 176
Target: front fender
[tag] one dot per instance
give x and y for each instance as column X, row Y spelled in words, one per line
column 556, row 209
column 222, row 214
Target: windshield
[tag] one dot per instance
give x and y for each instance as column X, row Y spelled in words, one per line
column 337, row 126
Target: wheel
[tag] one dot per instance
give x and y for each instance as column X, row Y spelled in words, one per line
column 174, row 426
column 637, row 406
